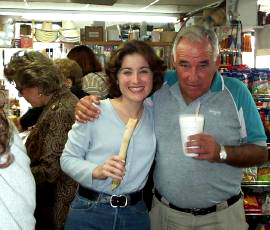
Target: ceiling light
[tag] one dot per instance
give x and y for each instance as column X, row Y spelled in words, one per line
column 95, row 17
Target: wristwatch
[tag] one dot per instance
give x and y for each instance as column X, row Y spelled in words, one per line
column 223, row 153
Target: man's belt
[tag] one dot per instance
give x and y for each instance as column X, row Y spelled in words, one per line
column 200, row 211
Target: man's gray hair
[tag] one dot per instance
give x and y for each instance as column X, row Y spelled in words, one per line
column 196, row 34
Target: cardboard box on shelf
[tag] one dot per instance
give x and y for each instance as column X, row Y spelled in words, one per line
column 113, row 33
column 167, row 36
column 93, row 33
column 155, row 36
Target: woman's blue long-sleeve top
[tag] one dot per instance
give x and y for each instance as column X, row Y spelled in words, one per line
column 91, row 143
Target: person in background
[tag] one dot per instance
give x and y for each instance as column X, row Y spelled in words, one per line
column 72, row 76
column 91, row 153
column 95, row 81
column 40, row 82
column 17, row 197
column 204, row 191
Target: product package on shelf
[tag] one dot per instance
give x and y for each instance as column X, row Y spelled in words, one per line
column 263, row 173
column 266, row 205
column 249, row 174
column 263, row 227
column 257, row 80
column 251, row 204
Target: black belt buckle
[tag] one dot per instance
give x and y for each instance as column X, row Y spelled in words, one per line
column 199, row 211
column 196, row 211
column 118, row 201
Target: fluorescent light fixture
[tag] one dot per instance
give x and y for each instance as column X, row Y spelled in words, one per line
column 94, row 17
column 85, row 7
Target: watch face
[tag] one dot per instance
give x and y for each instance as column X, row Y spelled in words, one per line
column 223, row 154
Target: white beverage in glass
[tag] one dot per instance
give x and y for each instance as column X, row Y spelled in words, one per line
column 190, row 124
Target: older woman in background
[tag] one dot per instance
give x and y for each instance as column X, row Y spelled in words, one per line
column 95, row 81
column 40, row 82
column 72, row 76
column 17, row 196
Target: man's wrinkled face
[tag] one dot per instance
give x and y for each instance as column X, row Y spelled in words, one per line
column 195, row 66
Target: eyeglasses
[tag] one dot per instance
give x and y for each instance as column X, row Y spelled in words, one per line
column 20, row 89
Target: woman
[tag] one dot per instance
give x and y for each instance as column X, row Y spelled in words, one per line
column 134, row 72
column 94, row 81
column 72, row 76
column 17, row 197
column 40, row 82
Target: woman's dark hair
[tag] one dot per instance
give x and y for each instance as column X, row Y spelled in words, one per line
column 156, row 65
column 86, row 58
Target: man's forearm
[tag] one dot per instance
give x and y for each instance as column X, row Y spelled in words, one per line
column 246, row 155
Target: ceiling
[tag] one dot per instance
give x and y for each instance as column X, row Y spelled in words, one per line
column 161, row 6
column 135, row 7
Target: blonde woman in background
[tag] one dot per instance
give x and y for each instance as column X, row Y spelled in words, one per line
column 17, row 196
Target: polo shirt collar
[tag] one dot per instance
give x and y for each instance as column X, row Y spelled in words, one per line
column 218, row 83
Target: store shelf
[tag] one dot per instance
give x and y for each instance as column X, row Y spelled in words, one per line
column 252, row 213
column 261, row 96
column 116, row 43
column 255, row 184
column 262, row 218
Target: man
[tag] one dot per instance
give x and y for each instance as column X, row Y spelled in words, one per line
column 202, row 192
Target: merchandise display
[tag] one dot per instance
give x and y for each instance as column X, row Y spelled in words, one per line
column 256, row 180
column 103, row 38
column 46, row 33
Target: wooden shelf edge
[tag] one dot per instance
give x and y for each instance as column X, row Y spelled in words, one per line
column 116, row 43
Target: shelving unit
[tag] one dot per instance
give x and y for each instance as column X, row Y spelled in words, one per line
column 259, row 189
column 104, row 48
column 116, row 43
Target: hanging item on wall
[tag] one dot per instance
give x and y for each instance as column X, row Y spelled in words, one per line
column 26, row 42
column 46, row 33
column 25, row 29
column 69, row 32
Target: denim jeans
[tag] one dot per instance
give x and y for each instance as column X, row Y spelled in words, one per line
column 85, row 214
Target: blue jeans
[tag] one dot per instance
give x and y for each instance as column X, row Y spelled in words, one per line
column 85, row 214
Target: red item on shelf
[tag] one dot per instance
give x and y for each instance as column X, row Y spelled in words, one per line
column 251, row 203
